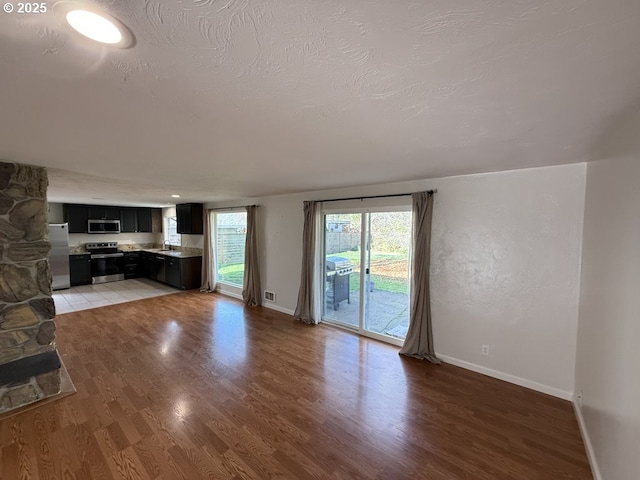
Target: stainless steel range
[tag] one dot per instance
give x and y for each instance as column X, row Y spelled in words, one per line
column 107, row 262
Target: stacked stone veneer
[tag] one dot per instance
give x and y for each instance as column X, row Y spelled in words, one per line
column 29, row 364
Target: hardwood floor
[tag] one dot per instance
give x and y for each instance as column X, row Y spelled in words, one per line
column 192, row 386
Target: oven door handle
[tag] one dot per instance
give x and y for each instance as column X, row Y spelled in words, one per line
column 106, row 255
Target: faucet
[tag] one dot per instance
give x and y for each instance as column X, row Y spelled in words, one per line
column 167, row 245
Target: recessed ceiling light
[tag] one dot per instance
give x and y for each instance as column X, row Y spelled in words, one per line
column 95, row 24
column 175, row 196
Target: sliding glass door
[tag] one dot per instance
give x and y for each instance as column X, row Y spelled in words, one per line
column 387, row 257
column 342, row 262
column 367, row 258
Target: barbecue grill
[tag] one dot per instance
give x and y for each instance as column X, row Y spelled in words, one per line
column 338, row 273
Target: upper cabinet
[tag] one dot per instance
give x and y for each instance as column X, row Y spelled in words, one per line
column 143, row 216
column 189, row 218
column 128, row 219
column 76, row 217
column 103, row 212
column 136, row 219
column 132, row 219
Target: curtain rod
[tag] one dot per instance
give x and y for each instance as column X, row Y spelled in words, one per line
column 232, row 208
column 430, row 192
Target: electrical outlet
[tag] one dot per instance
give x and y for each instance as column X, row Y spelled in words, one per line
column 484, row 350
column 579, row 398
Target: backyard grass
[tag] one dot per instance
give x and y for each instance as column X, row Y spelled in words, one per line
column 232, row 273
column 388, row 271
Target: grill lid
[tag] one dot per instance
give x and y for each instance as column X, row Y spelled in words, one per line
column 338, row 265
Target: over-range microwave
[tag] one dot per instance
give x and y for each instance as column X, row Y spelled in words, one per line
column 103, row 226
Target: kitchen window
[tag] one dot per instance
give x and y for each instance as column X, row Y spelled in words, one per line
column 171, row 234
column 230, row 235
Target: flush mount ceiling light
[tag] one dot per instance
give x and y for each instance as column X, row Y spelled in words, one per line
column 95, row 24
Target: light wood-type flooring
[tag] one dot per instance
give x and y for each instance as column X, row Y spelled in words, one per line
column 193, row 385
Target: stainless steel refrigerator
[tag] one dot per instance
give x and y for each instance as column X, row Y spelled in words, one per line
column 59, row 255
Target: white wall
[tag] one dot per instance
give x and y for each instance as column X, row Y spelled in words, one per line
column 608, row 355
column 506, row 267
column 192, row 241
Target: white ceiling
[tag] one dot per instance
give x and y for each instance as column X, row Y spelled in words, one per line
column 241, row 98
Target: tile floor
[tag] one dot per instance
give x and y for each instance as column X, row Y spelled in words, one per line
column 90, row 296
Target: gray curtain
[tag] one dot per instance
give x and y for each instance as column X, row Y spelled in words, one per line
column 419, row 340
column 306, row 308
column 208, row 256
column 251, row 292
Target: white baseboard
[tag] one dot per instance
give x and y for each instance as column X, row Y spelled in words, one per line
column 523, row 382
column 273, row 306
column 587, row 442
column 229, row 294
column 264, row 304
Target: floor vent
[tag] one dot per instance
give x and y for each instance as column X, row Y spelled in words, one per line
column 269, row 296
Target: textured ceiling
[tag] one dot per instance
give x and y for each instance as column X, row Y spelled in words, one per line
column 238, row 98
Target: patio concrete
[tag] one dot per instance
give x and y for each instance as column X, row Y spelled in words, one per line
column 388, row 313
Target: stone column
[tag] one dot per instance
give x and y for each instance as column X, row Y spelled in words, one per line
column 29, row 362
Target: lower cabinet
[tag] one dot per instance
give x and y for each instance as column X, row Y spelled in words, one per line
column 79, row 269
column 133, row 265
column 146, row 264
column 182, row 273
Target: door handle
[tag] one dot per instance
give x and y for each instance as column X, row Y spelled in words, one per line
column 366, row 270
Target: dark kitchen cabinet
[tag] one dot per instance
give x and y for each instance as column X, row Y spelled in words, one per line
column 132, row 219
column 103, row 212
column 133, row 265
column 76, row 217
column 146, row 264
column 189, row 218
column 112, row 213
column 190, row 273
column 80, row 269
column 182, row 273
column 143, row 215
column 135, row 219
column 128, row 219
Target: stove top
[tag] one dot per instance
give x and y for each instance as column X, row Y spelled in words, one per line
column 102, row 247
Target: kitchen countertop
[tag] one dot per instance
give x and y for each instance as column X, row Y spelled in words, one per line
column 159, row 251
column 170, row 253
